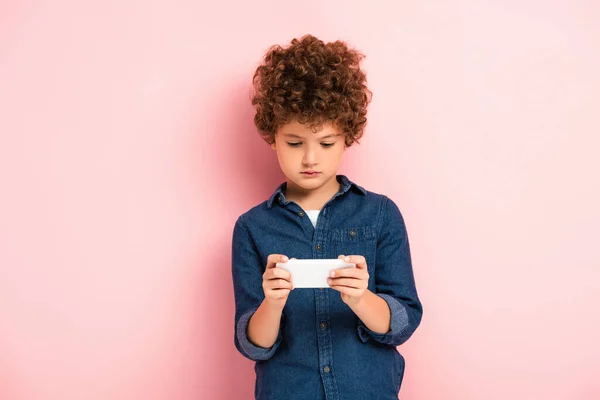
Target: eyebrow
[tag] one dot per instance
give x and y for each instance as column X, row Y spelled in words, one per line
column 300, row 137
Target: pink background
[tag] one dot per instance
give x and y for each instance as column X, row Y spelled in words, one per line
column 128, row 150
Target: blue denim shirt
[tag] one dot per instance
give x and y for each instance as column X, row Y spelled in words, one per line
column 323, row 350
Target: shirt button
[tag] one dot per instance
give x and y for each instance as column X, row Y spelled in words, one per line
column 318, row 246
column 326, row 369
column 323, row 325
column 301, row 214
column 352, row 232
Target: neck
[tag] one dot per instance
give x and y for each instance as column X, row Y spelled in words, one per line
column 312, row 199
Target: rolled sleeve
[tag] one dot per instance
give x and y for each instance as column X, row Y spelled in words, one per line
column 398, row 323
column 252, row 351
column 247, row 271
column 394, row 279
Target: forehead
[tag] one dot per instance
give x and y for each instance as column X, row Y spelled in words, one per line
column 303, row 131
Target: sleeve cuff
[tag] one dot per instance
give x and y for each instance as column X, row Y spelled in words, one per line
column 254, row 352
column 398, row 323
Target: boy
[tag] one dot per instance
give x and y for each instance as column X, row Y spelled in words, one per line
column 336, row 343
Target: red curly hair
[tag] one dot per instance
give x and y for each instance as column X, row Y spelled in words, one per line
column 312, row 82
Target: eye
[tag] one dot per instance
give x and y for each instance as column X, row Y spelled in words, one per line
column 296, row 144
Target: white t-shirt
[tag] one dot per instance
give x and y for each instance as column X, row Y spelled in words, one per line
column 313, row 215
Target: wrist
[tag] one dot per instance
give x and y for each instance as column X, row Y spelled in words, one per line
column 357, row 305
column 273, row 305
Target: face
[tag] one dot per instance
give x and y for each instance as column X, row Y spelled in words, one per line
column 301, row 151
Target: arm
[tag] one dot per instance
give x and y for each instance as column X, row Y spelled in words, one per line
column 250, row 304
column 263, row 327
column 394, row 283
column 374, row 312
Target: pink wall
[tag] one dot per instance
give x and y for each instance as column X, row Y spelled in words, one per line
column 127, row 151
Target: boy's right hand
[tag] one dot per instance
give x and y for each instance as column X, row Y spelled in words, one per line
column 277, row 282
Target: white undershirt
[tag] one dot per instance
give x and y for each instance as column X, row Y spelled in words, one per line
column 313, row 215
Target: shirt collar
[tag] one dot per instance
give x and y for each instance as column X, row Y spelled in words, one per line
column 345, row 185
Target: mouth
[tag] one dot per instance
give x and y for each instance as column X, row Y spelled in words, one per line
column 310, row 173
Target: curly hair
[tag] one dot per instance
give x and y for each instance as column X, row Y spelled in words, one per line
column 312, row 82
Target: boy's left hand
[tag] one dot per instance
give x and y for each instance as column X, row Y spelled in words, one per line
column 351, row 282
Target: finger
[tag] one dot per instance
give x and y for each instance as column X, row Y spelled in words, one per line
column 360, row 261
column 348, row 282
column 347, row 290
column 273, row 259
column 276, row 273
column 278, row 283
column 348, row 272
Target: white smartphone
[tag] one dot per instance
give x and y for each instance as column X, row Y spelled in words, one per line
column 312, row 273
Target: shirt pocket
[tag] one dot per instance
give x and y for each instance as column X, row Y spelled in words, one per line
column 355, row 240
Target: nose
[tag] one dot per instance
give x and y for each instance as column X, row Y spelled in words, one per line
column 309, row 158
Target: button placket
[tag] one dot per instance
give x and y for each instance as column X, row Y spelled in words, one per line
column 324, row 338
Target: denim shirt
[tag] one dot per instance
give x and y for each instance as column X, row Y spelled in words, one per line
column 323, row 350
